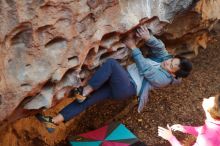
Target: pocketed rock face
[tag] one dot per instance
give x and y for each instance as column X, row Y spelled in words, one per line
column 193, row 29
column 48, row 46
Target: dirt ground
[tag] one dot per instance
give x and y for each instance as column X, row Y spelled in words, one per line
column 175, row 104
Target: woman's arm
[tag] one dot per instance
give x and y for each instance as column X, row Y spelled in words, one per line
column 167, row 135
column 174, row 142
column 192, row 130
column 186, row 129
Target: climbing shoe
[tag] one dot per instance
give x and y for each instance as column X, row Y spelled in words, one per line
column 77, row 93
column 47, row 121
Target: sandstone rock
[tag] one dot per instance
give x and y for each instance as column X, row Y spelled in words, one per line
column 44, row 41
column 48, row 46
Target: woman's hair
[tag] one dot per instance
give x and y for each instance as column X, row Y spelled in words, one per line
column 185, row 67
column 215, row 110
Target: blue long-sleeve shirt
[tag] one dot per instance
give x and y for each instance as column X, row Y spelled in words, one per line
column 147, row 72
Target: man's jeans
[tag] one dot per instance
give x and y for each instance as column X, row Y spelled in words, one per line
column 110, row 81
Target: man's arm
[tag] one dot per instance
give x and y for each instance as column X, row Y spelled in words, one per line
column 156, row 46
column 152, row 74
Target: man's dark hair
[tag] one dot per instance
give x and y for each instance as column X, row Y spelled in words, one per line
column 185, row 67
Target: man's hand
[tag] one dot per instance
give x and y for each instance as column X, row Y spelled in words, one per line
column 130, row 43
column 143, row 33
column 165, row 133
